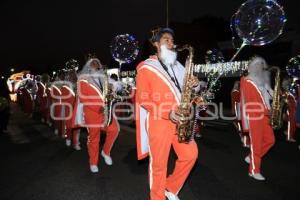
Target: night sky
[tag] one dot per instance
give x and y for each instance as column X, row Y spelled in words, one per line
column 41, row 35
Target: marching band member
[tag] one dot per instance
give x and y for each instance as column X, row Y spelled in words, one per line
column 90, row 92
column 159, row 83
column 290, row 112
column 45, row 100
column 255, row 108
column 68, row 102
column 235, row 106
column 56, row 109
column 48, row 103
column 40, row 96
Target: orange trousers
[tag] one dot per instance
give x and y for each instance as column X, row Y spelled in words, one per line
column 112, row 132
column 291, row 129
column 73, row 134
column 161, row 138
column 261, row 140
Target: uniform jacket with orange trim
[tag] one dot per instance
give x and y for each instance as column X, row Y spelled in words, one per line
column 252, row 100
column 41, row 89
column 68, row 95
column 155, row 90
column 90, row 96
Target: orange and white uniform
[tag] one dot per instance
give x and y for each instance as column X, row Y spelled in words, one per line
column 235, row 106
column 92, row 99
column 156, row 96
column 56, row 109
column 291, row 116
column 236, row 110
column 255, row 120
column 40, row 98
column 298, row 109
column 68, row 102
column 47, row 105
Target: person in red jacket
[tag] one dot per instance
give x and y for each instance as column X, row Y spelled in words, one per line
column 40, row 96
column 255, row 107
column 159, row 84
column 68, row 102
column 44, row 104
column 56, row 109
column 235, row 109
column 91, row 84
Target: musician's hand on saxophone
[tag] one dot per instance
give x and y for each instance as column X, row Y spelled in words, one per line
column 200, row 101
column 178, row 118
column 193, row 82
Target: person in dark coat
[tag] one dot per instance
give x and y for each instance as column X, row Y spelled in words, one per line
column 4, row 105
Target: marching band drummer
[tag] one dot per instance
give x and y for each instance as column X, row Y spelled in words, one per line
column 90, row 92
column 159, row 84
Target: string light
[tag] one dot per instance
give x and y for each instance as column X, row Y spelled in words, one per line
column 225, row 68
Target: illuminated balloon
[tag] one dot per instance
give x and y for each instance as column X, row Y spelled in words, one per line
column 293, row 88
column 235, row 39
column 71, row 64
column 214, row 56
column 293, row 67
column 124, row 48
column 259, row 22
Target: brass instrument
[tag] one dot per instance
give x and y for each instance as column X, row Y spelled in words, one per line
column 277, row 103
column 110, row 97
column 108, row 100
column 184, row 128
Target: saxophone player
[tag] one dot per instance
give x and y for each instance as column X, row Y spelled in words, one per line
column 256, row 94
column 90, row 93
column 159, row 85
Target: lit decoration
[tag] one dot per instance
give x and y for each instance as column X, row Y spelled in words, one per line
column 71, row 65
column 293, row 88
column 14, row 82
column 259, row 22
column 13, row 97
column 124, row 48
column 225, row 69
column 293, row 66
column 214, row 56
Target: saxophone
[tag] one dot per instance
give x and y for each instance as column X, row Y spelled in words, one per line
column 108, row 100
column 184, row 128
column 277, row 103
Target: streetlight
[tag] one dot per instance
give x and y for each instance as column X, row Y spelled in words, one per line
column 12, row 69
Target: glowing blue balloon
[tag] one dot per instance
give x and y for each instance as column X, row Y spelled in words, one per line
column 293, row 88
column 124, row 48
column 259, row 22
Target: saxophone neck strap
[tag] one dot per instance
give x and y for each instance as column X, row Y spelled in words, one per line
column 174, row 79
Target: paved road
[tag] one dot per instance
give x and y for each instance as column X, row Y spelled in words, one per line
column 36, row 165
